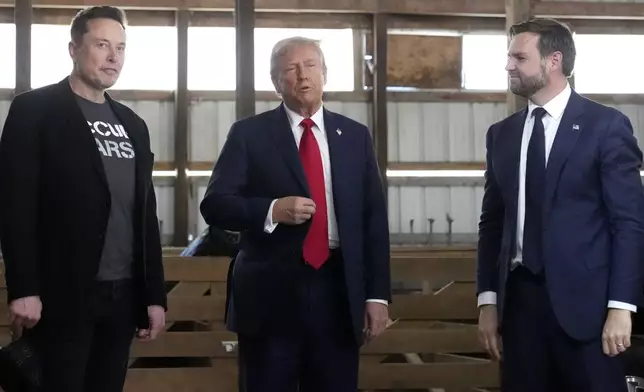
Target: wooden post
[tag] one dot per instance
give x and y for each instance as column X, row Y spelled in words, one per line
column 22, row 19
column 181, row 103
column 380, row 38
column 245, row 44
column 516, row 11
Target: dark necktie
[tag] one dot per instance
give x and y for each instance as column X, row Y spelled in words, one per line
column 535, row 184
column 316, row 243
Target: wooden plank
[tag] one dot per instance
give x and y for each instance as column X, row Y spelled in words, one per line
column 189, row 289
column 380, row 124
column 458, row 339
column 437, row 269
column 405, row 267
column 223, row 376
column 447, row 306
column 196, row 269
column 185, row 344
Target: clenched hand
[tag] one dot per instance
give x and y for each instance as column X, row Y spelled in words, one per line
column 25, row 312
column 293, row 210
column 156, row 315
column 616, row 337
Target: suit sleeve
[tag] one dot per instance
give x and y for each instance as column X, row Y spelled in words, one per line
column 621, row 161
column 155, row 277
column 19, row 192
column 490, row 227
column 376, row 229
column 225, row 204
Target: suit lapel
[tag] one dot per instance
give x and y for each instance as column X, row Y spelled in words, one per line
column 78, row 125
column 282, row 135
column 565, row 140
column 338, row 152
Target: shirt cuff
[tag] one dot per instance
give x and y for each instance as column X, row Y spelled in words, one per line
column 380, row 301
column 269, row 226
column 487, row 298
column 622, row 305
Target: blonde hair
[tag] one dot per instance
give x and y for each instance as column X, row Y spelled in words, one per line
column 281, row 47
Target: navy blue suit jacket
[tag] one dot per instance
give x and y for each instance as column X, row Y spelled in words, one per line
column 259, row 163
column 593, row 214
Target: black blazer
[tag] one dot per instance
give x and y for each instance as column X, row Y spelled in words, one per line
column 55, row 204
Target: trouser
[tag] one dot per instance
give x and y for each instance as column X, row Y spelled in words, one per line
column 317, row 351
column 91, row 354
column 539, row 356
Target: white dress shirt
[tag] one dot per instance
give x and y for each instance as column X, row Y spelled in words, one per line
column 554, row 112
column 319, row 132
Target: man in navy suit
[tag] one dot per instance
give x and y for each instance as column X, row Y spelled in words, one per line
column 561, row 230
column 311, row 280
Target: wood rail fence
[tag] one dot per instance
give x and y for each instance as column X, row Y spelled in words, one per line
column 433, row 347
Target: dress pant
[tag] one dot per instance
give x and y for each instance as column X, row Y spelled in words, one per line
column 309, row 347
column 538, row 355
column 91, row 354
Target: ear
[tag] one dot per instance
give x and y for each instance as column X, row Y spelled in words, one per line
column 72, row 50
column 556, row 61
column 276, row 84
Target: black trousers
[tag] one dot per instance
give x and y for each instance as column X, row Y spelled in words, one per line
column 89, row 355
column 315, row 350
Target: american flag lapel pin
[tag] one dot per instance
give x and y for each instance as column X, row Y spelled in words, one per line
column 575, row 127
column 339, row 131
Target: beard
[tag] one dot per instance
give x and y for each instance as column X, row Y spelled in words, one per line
column 527, row 86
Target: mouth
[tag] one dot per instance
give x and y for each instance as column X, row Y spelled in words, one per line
column 304, row 89
column 110, row 71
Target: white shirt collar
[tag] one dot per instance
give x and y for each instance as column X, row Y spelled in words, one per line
column 556, row 106
column 295, row 118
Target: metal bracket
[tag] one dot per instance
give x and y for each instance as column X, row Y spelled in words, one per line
column 230, row 345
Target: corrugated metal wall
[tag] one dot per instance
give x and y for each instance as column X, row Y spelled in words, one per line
column 418, row 132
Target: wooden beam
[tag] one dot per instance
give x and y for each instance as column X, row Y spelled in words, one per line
column 245, row 54
column 22, row 18
column 516, row 11
column 181, row 130
column 425, row 7
column 590, row 9
column 380, row 138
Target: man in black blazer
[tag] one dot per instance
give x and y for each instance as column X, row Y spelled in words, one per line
column 79, row 229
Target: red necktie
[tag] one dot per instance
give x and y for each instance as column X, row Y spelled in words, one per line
column 316, row 243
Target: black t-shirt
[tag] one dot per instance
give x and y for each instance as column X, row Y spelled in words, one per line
column 117, row 153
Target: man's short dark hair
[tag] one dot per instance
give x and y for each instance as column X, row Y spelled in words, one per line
column 79, row 23
column 554, row 36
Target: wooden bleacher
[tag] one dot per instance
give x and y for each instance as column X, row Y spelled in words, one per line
column 433, row 347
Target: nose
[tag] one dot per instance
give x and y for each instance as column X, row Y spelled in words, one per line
column 301, row 72
column 510, row 66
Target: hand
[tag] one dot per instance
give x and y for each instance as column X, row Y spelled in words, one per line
column 489, row 331
column 156, row 315
column 293, row 210
column 616, row 337
column 25, row 312
column 376, row 318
